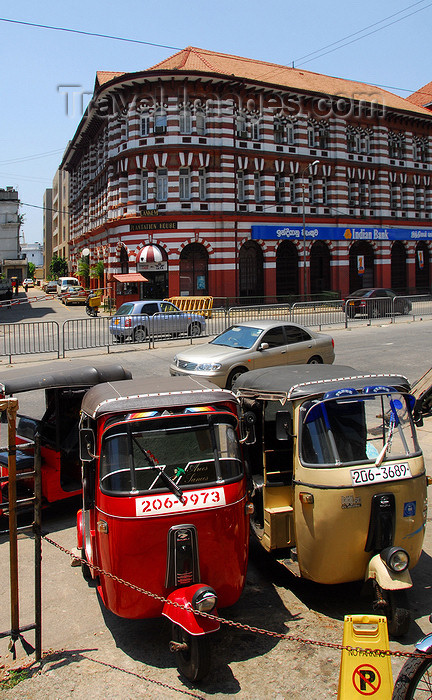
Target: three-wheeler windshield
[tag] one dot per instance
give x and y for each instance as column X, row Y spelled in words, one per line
column 168, row 455
column 357, row 429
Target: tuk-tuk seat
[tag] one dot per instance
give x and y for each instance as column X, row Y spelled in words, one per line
column 279, row 478
column 24, row 460
column 27, row 427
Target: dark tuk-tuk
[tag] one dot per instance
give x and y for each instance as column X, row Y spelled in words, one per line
column 57, row 429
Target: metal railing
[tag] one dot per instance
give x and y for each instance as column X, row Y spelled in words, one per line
column 101, row 331
column 29, row 338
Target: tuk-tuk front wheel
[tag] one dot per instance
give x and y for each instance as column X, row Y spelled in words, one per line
column 395, row 606
column 192, row 653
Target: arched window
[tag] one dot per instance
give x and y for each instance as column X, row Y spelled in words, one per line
column 145, row 124
column 241, row 192
column 162, row 185
column 185, row 121
column 200, row 122
column 184, row 184
column 160, row 121
column 311, row 136
column 290, row 133
column 241, row 126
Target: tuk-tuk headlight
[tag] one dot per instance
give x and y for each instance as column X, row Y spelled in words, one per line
column 396, row 559
column 204, row 599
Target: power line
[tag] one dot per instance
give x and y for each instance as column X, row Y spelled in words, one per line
column 320, row 55
column 28, row 178
column 79, row 31
column 359, row 31
column 38, row 206
column 177, row 48
column 34, row 157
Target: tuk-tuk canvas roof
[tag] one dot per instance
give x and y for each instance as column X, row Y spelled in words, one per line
column 151, row 393
column 298, row 381
column 16, row 381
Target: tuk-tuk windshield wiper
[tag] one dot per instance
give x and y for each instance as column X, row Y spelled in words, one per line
column 176, row 490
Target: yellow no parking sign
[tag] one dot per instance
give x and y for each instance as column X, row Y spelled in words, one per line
column 365, row 667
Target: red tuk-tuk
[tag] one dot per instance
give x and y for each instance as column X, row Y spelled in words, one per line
column 57, row 429
column 165, row 505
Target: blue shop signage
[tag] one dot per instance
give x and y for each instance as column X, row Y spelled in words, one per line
column 340, row 233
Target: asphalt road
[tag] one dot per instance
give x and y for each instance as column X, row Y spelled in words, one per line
column 93, row 653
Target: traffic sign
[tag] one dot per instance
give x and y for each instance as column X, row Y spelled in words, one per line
column 365, row 667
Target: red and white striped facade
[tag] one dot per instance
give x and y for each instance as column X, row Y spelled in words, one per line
column 221, row 180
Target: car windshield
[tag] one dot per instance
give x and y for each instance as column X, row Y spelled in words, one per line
column 361, row 293
column 351, row 430
column 168, row 455
column 238, row 337
column 125, row 310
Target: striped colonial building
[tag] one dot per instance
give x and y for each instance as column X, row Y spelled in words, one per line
column 216, row 174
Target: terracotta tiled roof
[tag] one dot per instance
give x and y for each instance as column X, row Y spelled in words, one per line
column 194, row 59
column 103, row 76
column 422, row 97
column 203, row 60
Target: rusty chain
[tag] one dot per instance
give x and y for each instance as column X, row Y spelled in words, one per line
column 232, row 623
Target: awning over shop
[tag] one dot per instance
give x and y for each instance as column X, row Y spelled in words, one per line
column 130, row 277
column 149, row 254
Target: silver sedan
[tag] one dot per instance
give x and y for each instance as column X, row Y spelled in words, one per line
column 252, row 345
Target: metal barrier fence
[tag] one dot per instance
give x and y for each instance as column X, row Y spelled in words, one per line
column 29, row 338
column 86, row 333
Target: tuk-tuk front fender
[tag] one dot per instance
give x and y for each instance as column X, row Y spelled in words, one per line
column 185, row 616
column 386, row 579
column 80, row 530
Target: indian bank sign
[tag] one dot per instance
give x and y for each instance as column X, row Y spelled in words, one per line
column 340, row 233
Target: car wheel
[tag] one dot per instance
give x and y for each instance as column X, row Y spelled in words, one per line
column 406, row 309
column 140, row 335
column 374, row 312
column 315, row 360
column 234, row 375
column 194, row 329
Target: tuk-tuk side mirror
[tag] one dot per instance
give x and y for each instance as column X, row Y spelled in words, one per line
column 284, row 425
column 87, row 445
column 248, row 428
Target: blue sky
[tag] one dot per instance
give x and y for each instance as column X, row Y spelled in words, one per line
column 33, row 119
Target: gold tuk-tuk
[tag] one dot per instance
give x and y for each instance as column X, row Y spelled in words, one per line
column 338, row 477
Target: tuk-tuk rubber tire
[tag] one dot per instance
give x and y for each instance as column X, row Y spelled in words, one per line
column 194, row 665
column 399, row 619
column 409, row 677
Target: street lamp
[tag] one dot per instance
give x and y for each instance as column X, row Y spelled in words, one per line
column 305, row 170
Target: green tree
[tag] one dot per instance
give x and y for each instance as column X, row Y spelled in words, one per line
column 97, row 272
column 58, row 267
column 31, row 267
column 84, row 270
